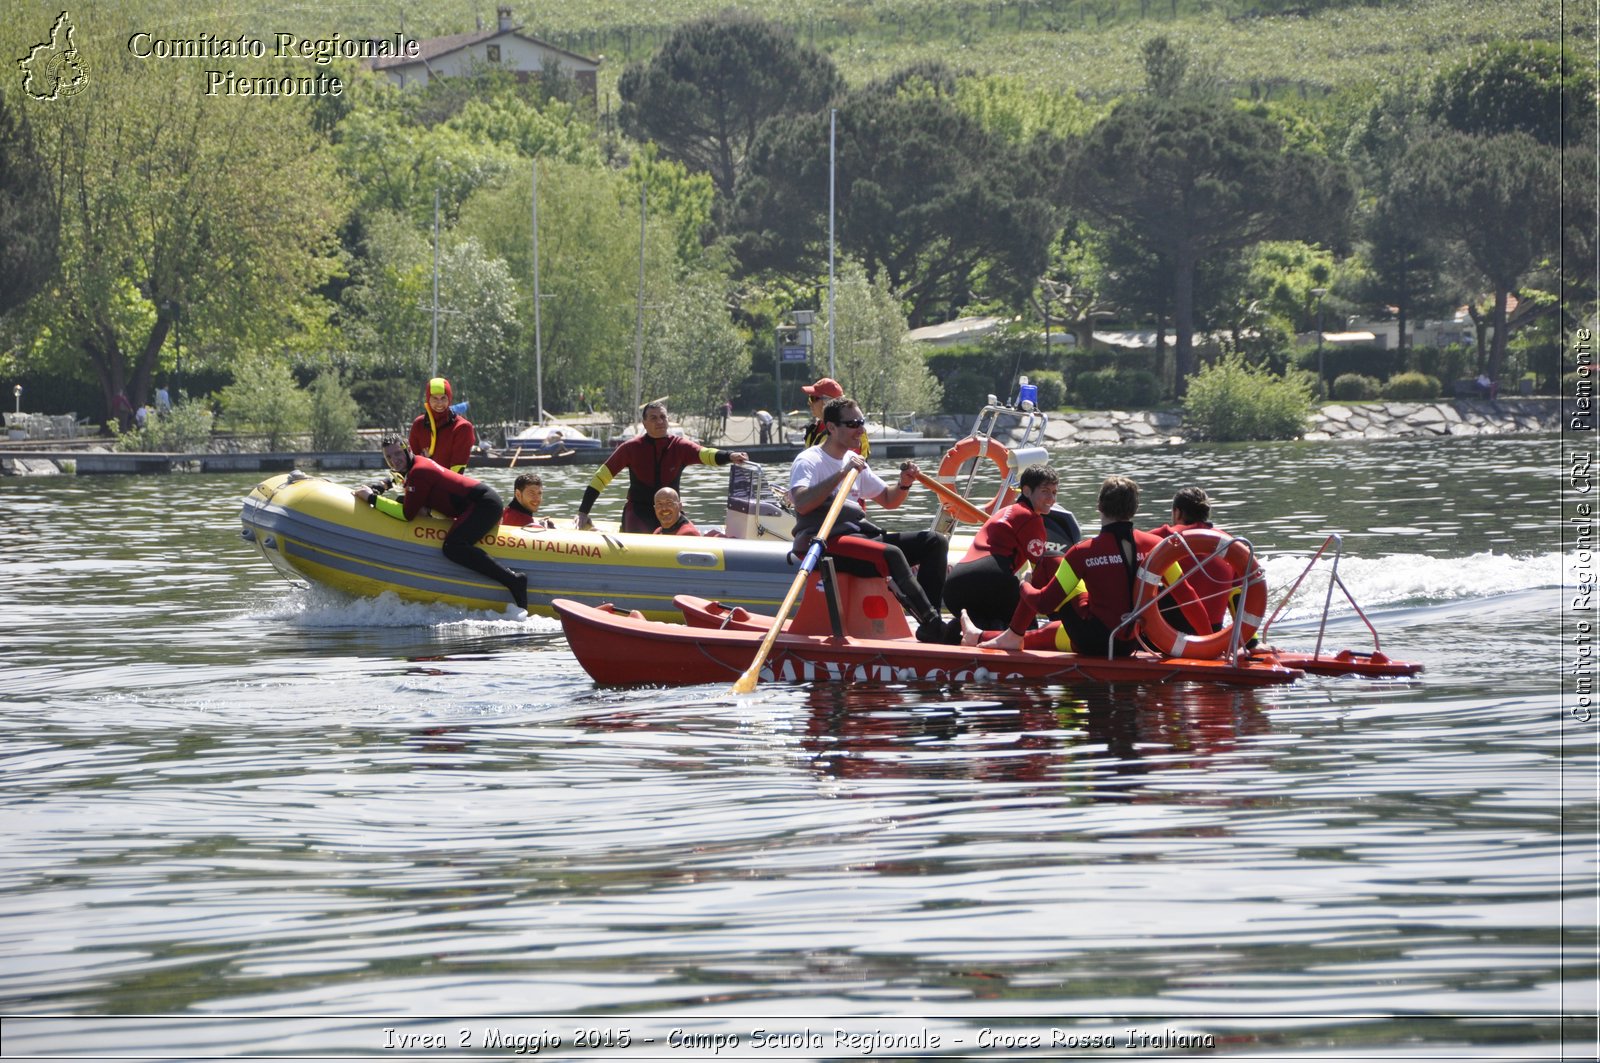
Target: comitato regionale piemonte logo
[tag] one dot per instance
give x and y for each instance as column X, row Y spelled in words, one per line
column 54, row 69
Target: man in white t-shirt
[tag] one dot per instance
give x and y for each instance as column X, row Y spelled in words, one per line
column 857, row 545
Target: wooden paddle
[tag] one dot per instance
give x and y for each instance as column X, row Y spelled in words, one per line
column 967, row 512
column 746, row 683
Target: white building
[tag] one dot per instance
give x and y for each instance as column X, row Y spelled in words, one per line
column 505, row 47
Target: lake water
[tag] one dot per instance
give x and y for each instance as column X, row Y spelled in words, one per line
column 247, row 818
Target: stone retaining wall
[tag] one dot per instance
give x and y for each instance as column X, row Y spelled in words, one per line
column 1377, row 420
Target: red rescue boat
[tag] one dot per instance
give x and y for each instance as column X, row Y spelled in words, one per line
column 619, row 649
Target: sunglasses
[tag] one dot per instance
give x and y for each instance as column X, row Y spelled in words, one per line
column 857, row 423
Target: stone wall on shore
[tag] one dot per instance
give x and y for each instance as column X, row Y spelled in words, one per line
column 1335, row 421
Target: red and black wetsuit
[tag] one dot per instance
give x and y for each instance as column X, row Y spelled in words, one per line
column 683, row 527
column 1091, row 593
column 652, row 464
column 518, row 516
column 984, row 582
column 475, row 509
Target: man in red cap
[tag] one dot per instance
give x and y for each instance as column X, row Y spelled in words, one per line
column 817, row 396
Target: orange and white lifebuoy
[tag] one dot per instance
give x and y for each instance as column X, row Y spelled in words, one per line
column 967, row 450
column 1202, row 544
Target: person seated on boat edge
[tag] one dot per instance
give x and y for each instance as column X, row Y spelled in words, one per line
column 817, row 396
column 669, row 511
column 527, row 492
column 983, row 584
column 473, row 507
column 654, row 460
column 1093, row 588
column 440, row 433
column 1214, row 582
column 858, row 546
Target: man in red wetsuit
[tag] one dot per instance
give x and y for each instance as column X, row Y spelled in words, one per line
column 984, row 583
column 1093, row 588
column 473, row 506
column 526, row 495
column 653, row 460
column 669, row 511
column 440, row 433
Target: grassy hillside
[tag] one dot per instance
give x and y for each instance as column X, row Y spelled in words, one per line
column 1086, row 47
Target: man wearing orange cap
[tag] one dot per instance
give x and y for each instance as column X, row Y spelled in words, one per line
column 817, row 396
column 440, row 433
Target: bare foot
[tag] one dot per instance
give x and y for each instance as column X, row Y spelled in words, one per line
column 1006, row 640
column 971, row 634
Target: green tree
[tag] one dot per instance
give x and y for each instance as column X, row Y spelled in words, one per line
column 28, row 213
column 929, row 201
column 1533, row 87
column 173, row 206
column 334, row 415
column 877, row 362
column 264, row 399
column 704, row 95
column 1502, row 209
column 693, row 353
column 1193, row 179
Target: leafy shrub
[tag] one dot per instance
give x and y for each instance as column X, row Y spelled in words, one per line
column 264, row 399
column 966, row 390
column 1104, row 389
column 1231, row 400
column 185, row 429
column 1355, row 387
column 334, row 413
column 1411, row 386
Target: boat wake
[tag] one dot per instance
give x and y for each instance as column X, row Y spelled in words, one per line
column 1399, row 581
column 317, row 607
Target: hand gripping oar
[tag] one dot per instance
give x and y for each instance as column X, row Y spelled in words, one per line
column 746, row 683
column 968, row 512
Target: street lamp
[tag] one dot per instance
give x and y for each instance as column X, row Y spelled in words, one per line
column 17, row 392
column 1322, row 382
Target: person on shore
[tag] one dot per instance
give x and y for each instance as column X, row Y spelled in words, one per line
column 984, row 584
column 163, row 400
column 527, row 492
column 1093, row 588
column 669, row 511
column 764, row 423
column 858, row 546
column 818, row 396
column 439, row 433
column 654, row 460
column 474, row 507
column 1213, row 584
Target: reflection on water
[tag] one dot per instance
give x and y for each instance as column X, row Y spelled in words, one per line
column 227, row 797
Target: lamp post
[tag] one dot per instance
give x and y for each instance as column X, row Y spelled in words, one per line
column 17, row 392
column 1322, row 382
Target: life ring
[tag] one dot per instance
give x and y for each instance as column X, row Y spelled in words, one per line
column 966, row 450
column 1203, row 544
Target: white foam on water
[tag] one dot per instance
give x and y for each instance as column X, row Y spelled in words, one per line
column 322, row 607
column 1395, row 580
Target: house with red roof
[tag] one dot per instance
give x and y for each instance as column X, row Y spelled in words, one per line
column 505, row 47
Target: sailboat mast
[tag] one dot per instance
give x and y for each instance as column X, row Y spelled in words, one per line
column 538, row 338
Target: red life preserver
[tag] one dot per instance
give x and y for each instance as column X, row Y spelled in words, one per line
column 1202, row 544
column 966, row 450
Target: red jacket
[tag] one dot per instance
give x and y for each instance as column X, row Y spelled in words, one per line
column 1016, row 533
column 1096, row 567
column 449, row 441
column 430, row 485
